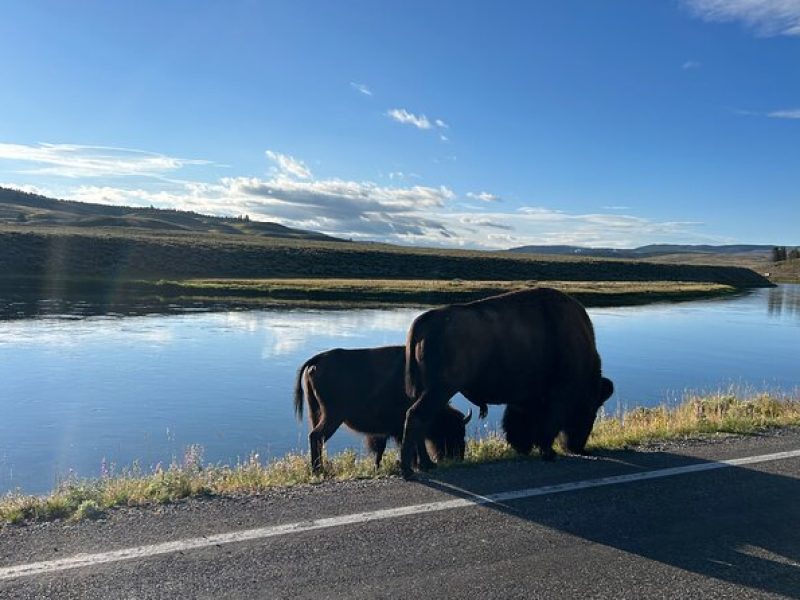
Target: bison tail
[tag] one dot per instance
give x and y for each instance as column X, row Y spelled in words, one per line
column 298, row 388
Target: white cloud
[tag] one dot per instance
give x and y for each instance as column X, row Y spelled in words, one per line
column 766, row 17
column 418, row 215
column 360, row 87
column 401, row 115
column 337, row 196
column 288, row 165
column 403, row 175
column 691, row 64
column 483, row 196
column 442, row 124
column 27, row 188
column 73, row 160
column 785, row 114
column 361, row 210
column 479, row 221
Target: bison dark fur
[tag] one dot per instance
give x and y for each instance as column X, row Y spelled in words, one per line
column 533, row 350
column 364, row 389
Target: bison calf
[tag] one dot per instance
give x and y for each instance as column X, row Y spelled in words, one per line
column 364, row 389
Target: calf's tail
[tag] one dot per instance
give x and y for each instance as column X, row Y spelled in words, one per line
column 298, row 388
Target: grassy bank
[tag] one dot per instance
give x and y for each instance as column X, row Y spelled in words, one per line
column 96, row 296
column 190, row 477
column 135, row 297
column 376, row 292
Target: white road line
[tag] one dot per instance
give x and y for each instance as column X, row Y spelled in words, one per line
column 87, row 560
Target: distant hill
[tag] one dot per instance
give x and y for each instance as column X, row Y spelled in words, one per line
column 22, row 208
column 650, row 251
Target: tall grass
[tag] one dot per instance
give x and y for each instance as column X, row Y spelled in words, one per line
column 76, row 499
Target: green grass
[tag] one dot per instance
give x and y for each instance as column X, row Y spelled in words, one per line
column 379, row 292
column 342, row 292
column 75, row 499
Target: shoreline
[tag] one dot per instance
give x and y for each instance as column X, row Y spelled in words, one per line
column 133, row 297
column 696, row 418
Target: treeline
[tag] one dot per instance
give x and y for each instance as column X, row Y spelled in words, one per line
column 781, row 253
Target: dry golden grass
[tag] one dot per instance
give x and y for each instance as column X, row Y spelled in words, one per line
column 722, row 412
column 78, row 499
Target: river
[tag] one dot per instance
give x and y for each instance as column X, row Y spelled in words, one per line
column 79, row 392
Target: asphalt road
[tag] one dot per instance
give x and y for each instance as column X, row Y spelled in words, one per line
column 731, row 532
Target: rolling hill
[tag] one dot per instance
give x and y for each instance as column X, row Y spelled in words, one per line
column 21, row 208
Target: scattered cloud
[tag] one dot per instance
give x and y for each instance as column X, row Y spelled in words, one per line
column 27, row 188
column 361, row 210
column 615, row 207
column 483, row 196
column 403, row 175
column 288, row 165
column 690, row 65
column 361, row 88
column 484, row 222
column 419, row 215
column 765, row 17
column 785, row 114
column 793, row 113
column 74, row 160
column 401, row 115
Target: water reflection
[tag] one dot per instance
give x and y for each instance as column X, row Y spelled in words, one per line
column 784, row 301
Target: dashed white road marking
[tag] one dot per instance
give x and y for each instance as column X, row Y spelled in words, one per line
column 88, row 560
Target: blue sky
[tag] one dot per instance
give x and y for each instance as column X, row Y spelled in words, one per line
column 457, row 123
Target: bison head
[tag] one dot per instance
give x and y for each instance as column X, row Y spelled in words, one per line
column 576, row 432
column 446, row 438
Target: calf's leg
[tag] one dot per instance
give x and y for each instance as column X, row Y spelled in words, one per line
column 321, row 433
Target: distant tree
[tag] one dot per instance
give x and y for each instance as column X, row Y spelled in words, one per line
column 778, row 253
column 794, row 253
column 21, row 218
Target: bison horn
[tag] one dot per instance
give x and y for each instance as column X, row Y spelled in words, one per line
column 468, row 416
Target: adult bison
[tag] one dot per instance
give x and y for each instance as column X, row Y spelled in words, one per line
column 363, row 388
column 533, row 350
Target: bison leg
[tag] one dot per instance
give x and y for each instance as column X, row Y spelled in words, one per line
column 544, row 436
column 377, row 445
column 418, row 420
column 321, row 433
column 518, row 427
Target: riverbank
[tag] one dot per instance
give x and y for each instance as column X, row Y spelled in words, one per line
column 381, row 292
column 22, row 296
column 694, row 418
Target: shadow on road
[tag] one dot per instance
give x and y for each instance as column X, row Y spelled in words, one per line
column 735, row 524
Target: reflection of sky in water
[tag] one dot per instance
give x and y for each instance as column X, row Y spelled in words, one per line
column 75, row 391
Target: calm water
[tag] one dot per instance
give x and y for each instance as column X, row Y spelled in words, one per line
column 74, row 392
